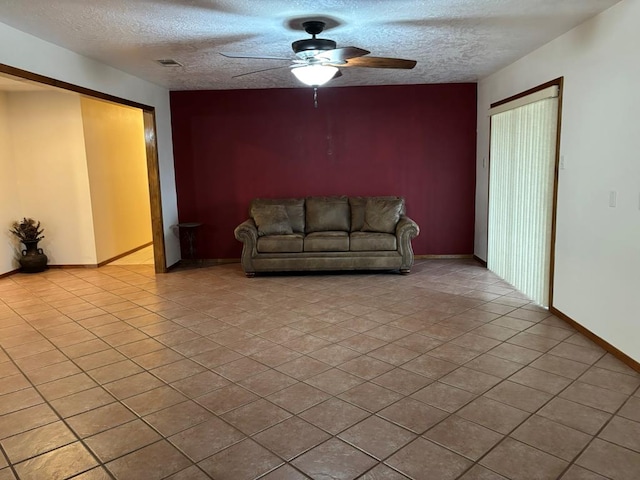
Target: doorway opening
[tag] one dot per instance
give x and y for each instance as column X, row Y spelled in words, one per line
column 523, row 177
column 148, row 150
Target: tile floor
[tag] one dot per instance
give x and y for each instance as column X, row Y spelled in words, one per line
column 447, row 373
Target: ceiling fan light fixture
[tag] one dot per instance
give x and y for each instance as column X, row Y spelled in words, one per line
column 314, row 75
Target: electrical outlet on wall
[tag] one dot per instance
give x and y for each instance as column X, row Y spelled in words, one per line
column 613, row 198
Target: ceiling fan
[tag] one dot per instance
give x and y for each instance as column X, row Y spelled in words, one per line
column 317, row 60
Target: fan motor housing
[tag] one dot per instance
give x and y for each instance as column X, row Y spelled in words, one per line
column 313, row 44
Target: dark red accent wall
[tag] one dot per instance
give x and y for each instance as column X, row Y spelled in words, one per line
column 415, row 141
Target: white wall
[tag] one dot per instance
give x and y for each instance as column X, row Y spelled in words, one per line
column 118, row 179
column 51, row 172
column 597, row 266
column 34, row 55
column 9, row 197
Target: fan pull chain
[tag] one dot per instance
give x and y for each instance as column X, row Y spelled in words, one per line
column 315, row 97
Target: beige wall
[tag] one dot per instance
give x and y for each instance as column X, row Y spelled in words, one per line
column 597, row 246
column 9, row 197
column 116, row 162
column 50, row 172
column 78, row 166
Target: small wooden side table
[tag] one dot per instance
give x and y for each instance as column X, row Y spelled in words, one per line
column 188, row 229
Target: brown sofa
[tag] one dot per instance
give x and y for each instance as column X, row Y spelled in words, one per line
column 327, row 233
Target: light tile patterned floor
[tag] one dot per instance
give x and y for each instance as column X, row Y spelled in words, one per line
column 447, row 373
column 144, row 256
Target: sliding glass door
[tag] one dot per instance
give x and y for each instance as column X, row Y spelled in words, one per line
column 521, row 191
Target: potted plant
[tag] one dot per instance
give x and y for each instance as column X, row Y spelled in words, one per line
column 29, row 232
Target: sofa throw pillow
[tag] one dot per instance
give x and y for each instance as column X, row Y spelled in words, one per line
column 295, row 210
column 381, row 214
column 271, row 220
column 358, row 205
column 327, row 214
column 294, row 206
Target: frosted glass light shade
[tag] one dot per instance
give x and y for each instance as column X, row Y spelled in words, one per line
column 314, row 75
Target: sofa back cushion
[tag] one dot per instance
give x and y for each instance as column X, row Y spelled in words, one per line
column 271, row 220
column 327, row 214
column 358, row 205
column 381, row 214
column 293, row 206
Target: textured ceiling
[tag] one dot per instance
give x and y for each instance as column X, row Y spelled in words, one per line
column 452, row 40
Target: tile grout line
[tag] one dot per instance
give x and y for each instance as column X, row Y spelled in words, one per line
column 163, row 437
column 577, row 456
column 375, row 414
column 60, row 418
column 9, row 464
column 507, row 435
column 604, row 425
column 116, row 400
column 418, row 436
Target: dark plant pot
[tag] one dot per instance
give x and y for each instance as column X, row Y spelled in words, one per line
column 33, row 260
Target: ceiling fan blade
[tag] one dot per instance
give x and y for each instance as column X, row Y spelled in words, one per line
column 258, row 71
column 380, row 62
column 260, row 57
column 342, row 54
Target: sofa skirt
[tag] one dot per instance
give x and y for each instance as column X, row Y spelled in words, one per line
column 323, row 261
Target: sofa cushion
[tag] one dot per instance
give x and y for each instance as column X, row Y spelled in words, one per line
column 381, row 214
column 357, row 205
column 372, row 241
column 271, row 220
column 294, row 207
column 326, row 242
column 327, row 214
column 280, row 243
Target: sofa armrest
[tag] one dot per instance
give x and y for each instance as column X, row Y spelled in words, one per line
column 247, row 233
column 406, row 230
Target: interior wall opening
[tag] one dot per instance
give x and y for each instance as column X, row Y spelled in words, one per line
column 118, row 200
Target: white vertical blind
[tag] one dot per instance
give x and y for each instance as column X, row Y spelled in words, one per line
column 523, row 152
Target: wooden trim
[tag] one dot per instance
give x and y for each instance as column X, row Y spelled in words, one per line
column 133, row 250
column 623, row 357
column 74, row 266
column 9, row 273
column 219, row 261
column 34, row 77
column 201, row 263
column 489, row 182
column 556, row 177
column 479, row 260
column 155, row 193
column 551, row 83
